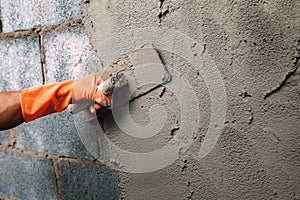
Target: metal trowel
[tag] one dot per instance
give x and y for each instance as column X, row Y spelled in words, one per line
column 133, row 71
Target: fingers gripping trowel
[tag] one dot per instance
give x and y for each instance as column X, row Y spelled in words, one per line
column 131, row 70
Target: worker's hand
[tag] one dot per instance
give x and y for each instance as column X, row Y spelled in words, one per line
column 85, row 89
column 55, row 97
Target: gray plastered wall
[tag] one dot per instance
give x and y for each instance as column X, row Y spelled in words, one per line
column 255, row 45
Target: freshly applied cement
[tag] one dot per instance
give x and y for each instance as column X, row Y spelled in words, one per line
column 256, row 47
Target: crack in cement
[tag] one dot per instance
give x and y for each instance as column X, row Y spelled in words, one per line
column 145, row 93
column 161, row 3
column 162, row 92
column 174, row 130
column 162, row 14
column 288, row 75
column 251, row 118
column 284, row 81
column 204, row 50
column 245, row 94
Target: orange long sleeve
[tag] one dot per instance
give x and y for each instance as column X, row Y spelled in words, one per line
column 47, row 99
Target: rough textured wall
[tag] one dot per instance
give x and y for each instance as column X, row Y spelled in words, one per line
column 43, row 42
column 256, row 47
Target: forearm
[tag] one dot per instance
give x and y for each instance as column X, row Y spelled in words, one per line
column 32, row 103
column 10, row 110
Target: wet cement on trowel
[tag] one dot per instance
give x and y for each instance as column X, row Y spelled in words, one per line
column 255, row 45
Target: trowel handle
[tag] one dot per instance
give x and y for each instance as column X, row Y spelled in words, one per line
column 105, row 87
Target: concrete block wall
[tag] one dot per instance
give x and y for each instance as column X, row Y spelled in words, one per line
column 43, row 42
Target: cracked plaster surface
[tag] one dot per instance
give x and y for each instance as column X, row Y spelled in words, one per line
column 255, row 45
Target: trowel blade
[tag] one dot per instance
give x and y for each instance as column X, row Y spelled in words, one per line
column 136, row 67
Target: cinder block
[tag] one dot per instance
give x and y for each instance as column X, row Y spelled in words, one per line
column 80, row 181
column 67, row 56
column 20, row 67
column 3, row 137
column 20, row 64
column 25, row 177
column 20, row 15
column 55, row 134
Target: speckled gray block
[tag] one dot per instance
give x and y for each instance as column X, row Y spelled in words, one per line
column 20, row 64
column 88, row 182
column 20, row 67
column 67, row 56
column 25, row 177
column 3, row 137
column 55, row 134
column 20, row 15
